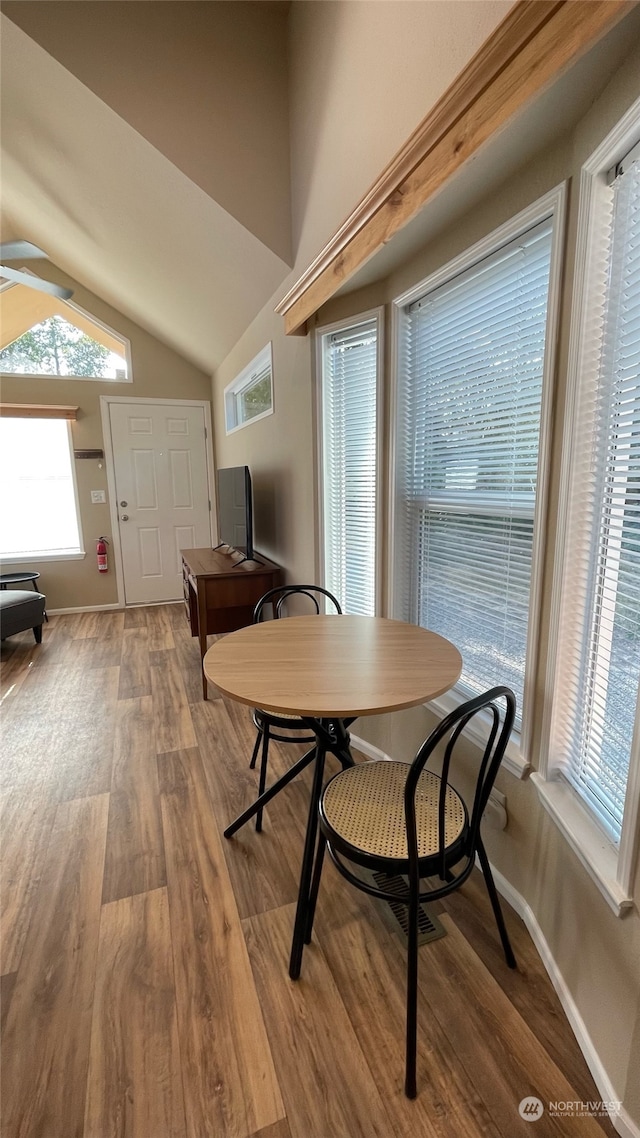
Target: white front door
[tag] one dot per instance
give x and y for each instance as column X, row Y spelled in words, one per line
column 160, row 468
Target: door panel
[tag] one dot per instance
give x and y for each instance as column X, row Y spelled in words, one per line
column 161, row 474
column 181, row 481
column 144, row 479
column 185, row 538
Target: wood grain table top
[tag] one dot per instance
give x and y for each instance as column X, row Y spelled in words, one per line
column 324, row 666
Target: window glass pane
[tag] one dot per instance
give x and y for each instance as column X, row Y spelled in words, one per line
column 349, row 443
column 250, row 394
column 37, row 505
column 491, row 632
column 468, row 432
column 601, row 642
column 68, row 342
column 254, row 399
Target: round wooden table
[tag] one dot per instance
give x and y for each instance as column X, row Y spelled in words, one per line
column 329, row 670
column 333, row 666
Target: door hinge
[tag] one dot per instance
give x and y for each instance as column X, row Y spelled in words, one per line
column 209, row 505
column 205, row 433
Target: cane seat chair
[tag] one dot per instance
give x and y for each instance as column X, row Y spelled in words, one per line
column 401, row 820
column 270, row 724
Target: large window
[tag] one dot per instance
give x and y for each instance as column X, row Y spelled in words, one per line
column 470, row 390
column 594, row 736
column 38, row 506
column 348, row 369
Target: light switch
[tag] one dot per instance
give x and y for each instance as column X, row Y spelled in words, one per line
column 98, row 496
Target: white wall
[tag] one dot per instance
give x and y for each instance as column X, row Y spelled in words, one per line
column 205, row 83
column 362, row 77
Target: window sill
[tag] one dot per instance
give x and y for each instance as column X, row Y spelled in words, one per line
column 591, row 847
column 61, row 555
column 513, row 761
column 231, row 428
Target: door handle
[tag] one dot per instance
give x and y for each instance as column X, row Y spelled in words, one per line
column 124, row 518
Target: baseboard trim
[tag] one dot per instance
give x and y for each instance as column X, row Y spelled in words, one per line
column 621, row 1120
column 84, row 608
column 625, row 1125
column 368, row 749
column 116, row 606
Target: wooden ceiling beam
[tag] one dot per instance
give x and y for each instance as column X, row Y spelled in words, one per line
column 532, row 47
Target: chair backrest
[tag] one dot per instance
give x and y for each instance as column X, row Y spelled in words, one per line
column 277, row 598
column 499, row 708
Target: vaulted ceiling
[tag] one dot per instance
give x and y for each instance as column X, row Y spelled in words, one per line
column 145, row 148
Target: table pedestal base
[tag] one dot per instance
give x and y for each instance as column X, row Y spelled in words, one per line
column 332, row 738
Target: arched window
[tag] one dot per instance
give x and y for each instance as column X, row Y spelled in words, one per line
column 44, row 336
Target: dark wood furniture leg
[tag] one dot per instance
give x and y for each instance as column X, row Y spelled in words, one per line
column 202, row 632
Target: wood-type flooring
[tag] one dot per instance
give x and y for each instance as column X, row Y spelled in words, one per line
column 145, row 991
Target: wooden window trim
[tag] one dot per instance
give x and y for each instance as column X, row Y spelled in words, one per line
column 536, row 42
column 36, row 411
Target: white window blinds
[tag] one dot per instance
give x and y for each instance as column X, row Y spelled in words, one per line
column 349, row 464
column 599, row 637
column 471, row 370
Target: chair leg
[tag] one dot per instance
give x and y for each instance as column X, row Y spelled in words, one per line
column 410, row 1088
column 37, row 632
column 263, row 772
column 315, row 886
column 252, row 764
column 306, row 873
column 495, row 904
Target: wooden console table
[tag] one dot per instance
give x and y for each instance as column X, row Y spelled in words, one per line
column 220, row 593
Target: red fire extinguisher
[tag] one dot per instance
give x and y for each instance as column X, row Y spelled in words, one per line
column 101, row 554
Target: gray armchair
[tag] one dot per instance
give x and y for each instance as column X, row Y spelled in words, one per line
column 20, row 610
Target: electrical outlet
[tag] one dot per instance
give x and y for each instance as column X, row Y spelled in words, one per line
column 98, row 496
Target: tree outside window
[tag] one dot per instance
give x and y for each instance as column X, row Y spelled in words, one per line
column 56, row 347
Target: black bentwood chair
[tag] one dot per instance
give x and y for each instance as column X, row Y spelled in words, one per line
column 270, row 724
column 403, row 820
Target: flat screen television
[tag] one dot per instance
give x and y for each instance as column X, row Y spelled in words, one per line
column 235, row 509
